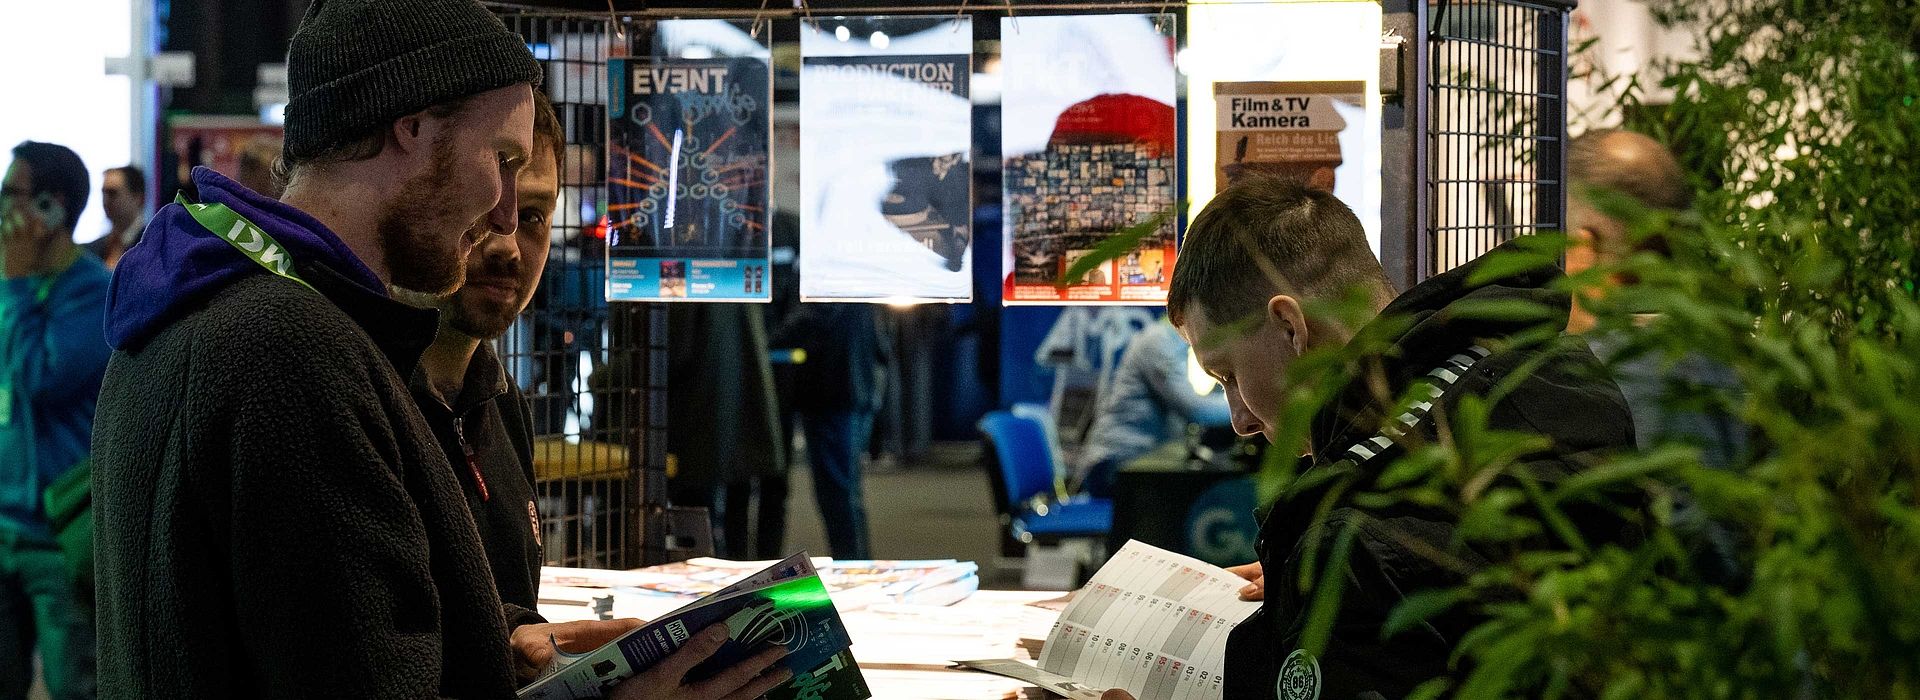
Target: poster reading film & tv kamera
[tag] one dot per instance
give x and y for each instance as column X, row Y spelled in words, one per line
column 1285, row 90
column 1088, row 150
column 886, row 135
column 688, row 165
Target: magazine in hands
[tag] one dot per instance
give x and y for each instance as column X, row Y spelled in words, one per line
column 1152, row 622
column 785, row 605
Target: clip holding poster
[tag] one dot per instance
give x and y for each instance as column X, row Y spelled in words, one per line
column 688, row 166
column 1089, row 148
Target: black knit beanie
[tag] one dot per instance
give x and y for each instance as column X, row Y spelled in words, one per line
column 357, row 65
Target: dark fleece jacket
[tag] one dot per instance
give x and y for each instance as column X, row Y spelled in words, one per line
column 1567, row 400
column 274, row 517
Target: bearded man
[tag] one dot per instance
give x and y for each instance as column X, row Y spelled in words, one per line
column 274, row 516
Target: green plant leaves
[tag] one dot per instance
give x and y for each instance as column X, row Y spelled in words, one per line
column 1418, row 608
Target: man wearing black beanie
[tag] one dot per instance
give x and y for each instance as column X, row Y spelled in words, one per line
column 274, row 517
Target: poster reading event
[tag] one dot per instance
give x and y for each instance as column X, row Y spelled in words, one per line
column 886, row 190
column 687, row 176
column 1088, row 150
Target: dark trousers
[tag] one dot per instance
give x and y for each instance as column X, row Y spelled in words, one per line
column 835, row 442
column 770, row 533
column 39, row 609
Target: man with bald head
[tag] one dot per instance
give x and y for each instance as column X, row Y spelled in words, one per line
column 1626, row 164
column 1633, row 166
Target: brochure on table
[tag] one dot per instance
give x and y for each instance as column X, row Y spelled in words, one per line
column 1152, row 622
column 688, row 159
column 886, row 141
column 855, row 584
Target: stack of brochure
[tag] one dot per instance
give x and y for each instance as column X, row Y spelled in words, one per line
column 855, row 584
column 785, row 605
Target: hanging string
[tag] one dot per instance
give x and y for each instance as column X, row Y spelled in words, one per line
column 755, row 33
column 957, row 16
column 806, row 9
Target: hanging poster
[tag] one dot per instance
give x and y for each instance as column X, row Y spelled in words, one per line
column 1088, row 150
column 687, row 172
column 1289, row 89
column 1289, row 130
column 886, row 179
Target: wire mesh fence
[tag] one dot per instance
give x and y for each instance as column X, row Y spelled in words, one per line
column 1497, row 126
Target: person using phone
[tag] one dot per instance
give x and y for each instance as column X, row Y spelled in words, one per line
column 52, row 356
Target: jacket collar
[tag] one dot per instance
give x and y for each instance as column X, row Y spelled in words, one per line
column 401, row 331
column 485, row 381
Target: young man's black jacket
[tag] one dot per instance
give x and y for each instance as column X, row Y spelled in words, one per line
column 273, row 516
column 1567, row 400
column 488, row 439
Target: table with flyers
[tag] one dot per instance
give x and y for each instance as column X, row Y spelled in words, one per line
column 905, row 645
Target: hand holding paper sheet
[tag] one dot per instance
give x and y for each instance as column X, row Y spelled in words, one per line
column 1152, row 622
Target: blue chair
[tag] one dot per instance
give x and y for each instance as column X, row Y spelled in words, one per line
column 1029, row 505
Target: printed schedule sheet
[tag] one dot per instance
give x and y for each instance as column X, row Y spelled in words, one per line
column 1151, row 621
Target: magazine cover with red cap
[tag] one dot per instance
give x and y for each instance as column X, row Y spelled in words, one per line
column 1089, row 150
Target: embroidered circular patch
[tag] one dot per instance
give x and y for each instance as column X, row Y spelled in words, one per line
column 1299, row 677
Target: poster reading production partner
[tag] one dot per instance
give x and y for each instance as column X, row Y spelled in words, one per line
column 687, row 179
column 886, row 180
column 1088, row 148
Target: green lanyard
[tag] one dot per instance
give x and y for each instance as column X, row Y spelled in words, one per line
column 244, row 236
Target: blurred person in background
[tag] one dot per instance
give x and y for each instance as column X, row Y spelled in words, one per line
column 1684, row 399
column 837, row 392
column 123, row 193
column 722, row 397
column 1149, row 403
column 51, row 362
column 1640, row 173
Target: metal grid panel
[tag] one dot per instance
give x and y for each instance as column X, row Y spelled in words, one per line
column 590, row 371
column 1496, row 81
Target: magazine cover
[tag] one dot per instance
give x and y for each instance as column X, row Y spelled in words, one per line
column 886, row 178
column 1286, row 89
column 1284, row 129
column 687, row 179
column 1088, row 150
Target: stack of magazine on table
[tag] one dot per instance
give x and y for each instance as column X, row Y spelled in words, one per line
column 785, row 605
column 855, row 583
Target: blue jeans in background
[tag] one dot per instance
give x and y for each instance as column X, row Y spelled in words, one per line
column 835, row 442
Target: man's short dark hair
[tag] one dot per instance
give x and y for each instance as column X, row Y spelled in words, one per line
column 57, row 169
column 136, row 179
column 546, row 127
column 1265, row 235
